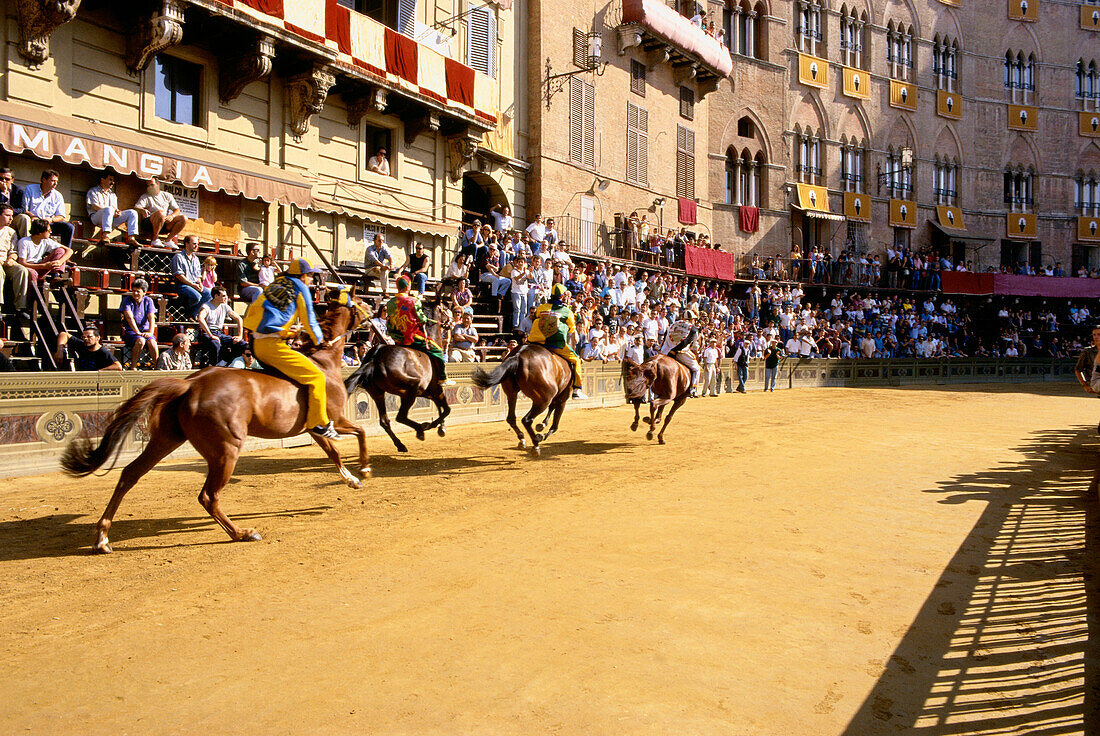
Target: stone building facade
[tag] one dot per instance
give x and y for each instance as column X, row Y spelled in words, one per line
column 261, row 113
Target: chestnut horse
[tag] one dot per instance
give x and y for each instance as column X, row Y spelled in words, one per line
column 215, row 410
column 543, row 377
column 667, row 379
column 408, row 373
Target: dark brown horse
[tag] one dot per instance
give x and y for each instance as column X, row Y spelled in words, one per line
column 543, row 377
column 215, row 410
column 667, row 380
column 408, row 373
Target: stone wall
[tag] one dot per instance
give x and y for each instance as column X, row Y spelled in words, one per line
column 41, row 413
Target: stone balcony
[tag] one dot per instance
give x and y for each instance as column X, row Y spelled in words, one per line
column 669, row 38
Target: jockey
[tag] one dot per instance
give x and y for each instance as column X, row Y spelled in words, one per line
column 405, row 322
column 284, row 304
column 680, row 344
column 552, row 324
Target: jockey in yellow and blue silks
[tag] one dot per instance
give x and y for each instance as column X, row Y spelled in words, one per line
column 284, row 304
column 551, row 328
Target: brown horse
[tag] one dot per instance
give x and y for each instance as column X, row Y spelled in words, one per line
column 215, row 410
column 667, row 379
column 408, row 373
column 543, row 377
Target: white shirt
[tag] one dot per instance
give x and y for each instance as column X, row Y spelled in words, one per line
column 97, row 198
column 710, row 356
column 379, row 165
column 501, row 222
column 32, row 252
column 161, row 202
column 537, row 231
column 633, row 352
column 215, row 316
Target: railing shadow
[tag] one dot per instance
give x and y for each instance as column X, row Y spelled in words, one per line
column 1002, row 644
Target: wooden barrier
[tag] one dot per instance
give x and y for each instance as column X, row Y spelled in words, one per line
column 42, row 412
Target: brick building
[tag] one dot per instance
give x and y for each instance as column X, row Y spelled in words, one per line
column 967, row 127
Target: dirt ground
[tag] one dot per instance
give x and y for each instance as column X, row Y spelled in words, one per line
column 828, row 561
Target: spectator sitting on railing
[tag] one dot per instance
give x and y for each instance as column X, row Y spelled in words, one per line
column 43, row 258
column 551, row 237
column 187, row 270
column 463, row 339
column 162, row 213
column 462, row 298
column 102, row 205
column 212, row 316
column 86, row 353
column 378, row 263
column 416, row 267
column 10, row 268
column 44, row 201
column 139, row 328
column 249, row 287
column 178, row 358
column 537, row 230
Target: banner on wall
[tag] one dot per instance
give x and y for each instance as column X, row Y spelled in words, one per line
column 186, row 198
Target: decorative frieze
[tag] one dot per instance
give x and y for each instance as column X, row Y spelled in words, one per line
column 37, row 20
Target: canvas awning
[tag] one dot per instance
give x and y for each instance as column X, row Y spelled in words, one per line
column 47, row 135
column 819, row 214
column 958, row 234
column 340, row 197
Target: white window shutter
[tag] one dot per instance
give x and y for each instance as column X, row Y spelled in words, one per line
column 576, row 120
column 406, row 17
column 643, row 146
column 481, row 40
column 589, row 124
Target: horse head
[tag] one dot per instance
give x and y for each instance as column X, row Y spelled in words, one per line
column 637, row 378
column 345, row 312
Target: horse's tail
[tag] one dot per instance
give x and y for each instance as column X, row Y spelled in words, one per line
column 482, row 379
column 364, row 374
column 82, row 457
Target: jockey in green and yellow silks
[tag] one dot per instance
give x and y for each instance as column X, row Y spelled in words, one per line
column 405, row 322
column 551, row 328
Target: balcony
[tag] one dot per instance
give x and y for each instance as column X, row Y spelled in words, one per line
column 668, row 37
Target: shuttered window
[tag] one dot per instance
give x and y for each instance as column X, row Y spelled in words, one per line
column 685, row 162
column 582, row 122
column 481, row 40
column 406, row 17
column 637, row 145
column 687, row 103
column 637, row 77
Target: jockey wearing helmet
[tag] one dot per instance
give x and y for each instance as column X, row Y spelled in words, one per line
column 284, row 304
column 551, row 328
column 405, row 320
column 680, row 344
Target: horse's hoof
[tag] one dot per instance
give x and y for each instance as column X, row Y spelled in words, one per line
column 366, row 471
column 535, row 452
column 402, row 448
column 354, row 483
column 649, row 435
column 634, row 427
column 647, row 420
column 538, row 427
column 441, row 431
column 420, row 435
column 250, row 535
column 102, row 548
column 522, row 445
column 660, row 440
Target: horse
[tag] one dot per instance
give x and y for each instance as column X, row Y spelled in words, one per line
column 543, row 377
column 407, row 373
column 216, row 409
column 667, row 379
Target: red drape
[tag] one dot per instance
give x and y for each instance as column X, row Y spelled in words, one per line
column 460, row 82
column 270, row 7
column 338, row 25
column 750, row 218
column 686, row 210
column 401, row 55
column 1010, row 285
column 710, row 264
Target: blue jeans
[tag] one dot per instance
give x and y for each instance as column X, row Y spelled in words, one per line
column 769, row 378
column 190, row 299
column 499, row 284
column 250, row 293
column 519, row 307
column 222, row 348
column 742, row 376
column 420, row 282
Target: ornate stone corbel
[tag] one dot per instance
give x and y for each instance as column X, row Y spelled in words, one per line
column 707, row 85
column 37, row 20
column 160, row 30
column 375, row 99
column 240, row 71
column 658, row 56
column 428, row 122
column 685, row 73
column 628, row 34
column 306, row 94
column 462, row 149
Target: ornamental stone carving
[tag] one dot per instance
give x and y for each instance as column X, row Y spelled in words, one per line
column 358, row 104
column 240, row 71
column 37, row 20
column 462, row 149
column 426, row 123
column 306, row 94
column 628, row 35
column 58, row 426
column 160, row 30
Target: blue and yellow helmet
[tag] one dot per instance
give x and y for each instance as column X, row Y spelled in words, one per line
column 558, row 291
column 299, row 266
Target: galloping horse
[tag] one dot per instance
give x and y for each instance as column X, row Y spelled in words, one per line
column 667, row 379
column 215, row 410
column 543, row 377
column 408, row 373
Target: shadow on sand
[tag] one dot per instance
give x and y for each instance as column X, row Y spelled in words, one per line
column 1003, row 643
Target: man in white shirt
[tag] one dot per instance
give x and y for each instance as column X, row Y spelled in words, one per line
column 502, row 218
column 379, row 163
column 41, row 256
column 44, row 201
column 536, row 230
column 711, row 384
column 10, row 268
column 212, row 315
column 102, row 204
column 634, row 350
column 867, row 346
column 162, row 212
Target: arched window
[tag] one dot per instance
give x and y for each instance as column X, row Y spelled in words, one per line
column 945, row 55
column 743, row 22
column 807, row 156
column 1086, row 194
column 1088, row 85
column 945, row 173
column 899, row 50
column 1018, row 191
column 899, row 177
column 853, row 157
column 1020, row 76
column 852, row 23
column 808, row 26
